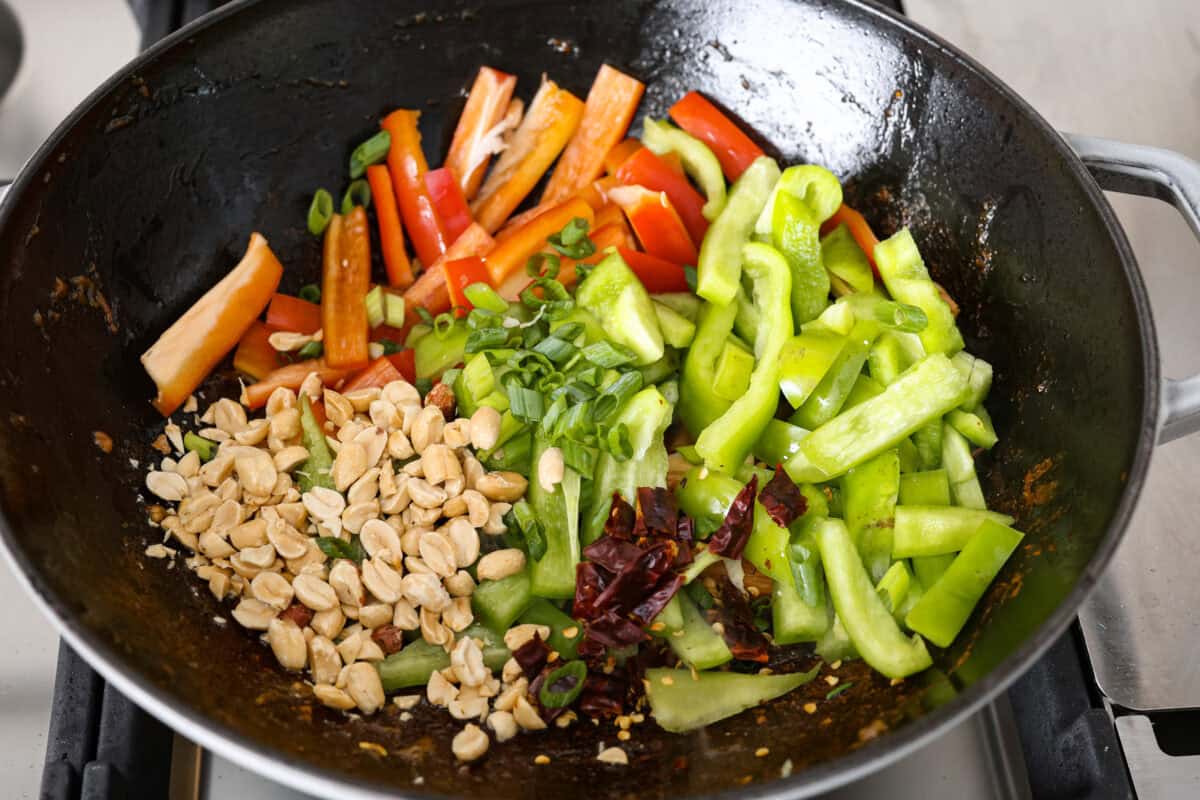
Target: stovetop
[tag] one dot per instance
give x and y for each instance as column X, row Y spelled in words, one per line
column 1097, row 717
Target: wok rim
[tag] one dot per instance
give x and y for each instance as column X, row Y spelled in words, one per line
column 274, row 764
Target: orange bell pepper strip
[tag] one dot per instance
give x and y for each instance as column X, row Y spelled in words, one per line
column 186, row 353
column 646, row 169
column 656, row 223
column 859, row 229
column 430, row 291
column 487, row 105
column 377, row 374
column 391, row 232
column 608, row 214
column 548, row 124
column 620, row 153
column 405, row 363
column 657, row 274
column 614, row 235
column 460, row 274
column 254, row 355
column 291, row 376
column 515, row 246
column 345, row 280
column 406, row 163
column 449, row 202
column 287, row 313
column 611, row 103
column 732, row 147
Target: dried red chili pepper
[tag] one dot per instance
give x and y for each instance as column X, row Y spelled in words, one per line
column 730, row 539
column 781, row 498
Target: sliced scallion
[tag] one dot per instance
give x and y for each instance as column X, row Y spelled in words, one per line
column 564, row 685
column 320, row 212
column 393, row 310
column 374, row 303
column 607, row 355
column 372, row 151
column 311, row 350
column 483, row 296
column 311, row 293
column 357, row 194
column 525, row 404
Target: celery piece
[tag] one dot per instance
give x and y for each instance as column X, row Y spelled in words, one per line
column 975, row 425
column 497, row 604
column 686, row 304
column 979, row 378
column 374, row 303
column 434, row 354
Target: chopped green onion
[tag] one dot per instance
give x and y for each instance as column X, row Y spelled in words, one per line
column 579, row 457
column 357, row 194
column 613, row 398
column 543, row 265
column 564, row 685
column 555, row 349
column 834, row 693
column 320, row 212
column 393, row 310
column 443, row 324
column 372, row 151
column 206, row 448
column 482, row 318
column 482, row 339
column 333, row 547
column 425, row 316
column 578, row 420
column 483, row 296
column 374, row 303
column 617, row 442
column 569, row 331
column 311, row 350
column 608, row 355
column 572, row 241
column 525, row 404
column 390, row 347
column 423, row 385
column 311, row 293
column 689, row 275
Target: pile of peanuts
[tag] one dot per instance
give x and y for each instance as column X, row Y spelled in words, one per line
column 407, row 483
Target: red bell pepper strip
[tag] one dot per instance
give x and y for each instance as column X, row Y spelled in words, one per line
column 486, row 107
column 656, row 223
column 646, row 169
column 657, row 274
column 859, row 229
column 186, row 353
column 460, row 274
column 391, row 232
column 287, row 313
column 430, row 291
column 619, row 153
column 378, row 373
column 611, row 103
column 407, row 165
column 345, row 280
column 254, row 355
column 292, row 375
column 405, row 363
column 732, row 147
column 449, row 202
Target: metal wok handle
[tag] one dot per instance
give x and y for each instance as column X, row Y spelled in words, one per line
column 1172, row 178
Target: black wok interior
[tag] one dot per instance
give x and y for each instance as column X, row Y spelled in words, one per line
column 154, row 189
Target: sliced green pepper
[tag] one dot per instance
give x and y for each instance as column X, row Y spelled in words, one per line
column 698, row 161
column 719, row 271
column 979, row 377
column 870, row 625
column 975, row 425
column 779, row 441
column 795, row 231
column 497, row 604
column 768, row 550
column 613, row 294
column 869, row 493
column 685, row 304
column 696, row 643
column 734, row 368
column 863, row 390
column 317, row 469
column 815, row 186
column 677, row 330
column 893, row 588
column 705, row 496
column 946, row 605
column 806, row 359
column 960, row 468
column 727, row 441
column 543, row 612
column 928, row 440
column 830, row 395
column 936, row 530
column 844, row 259
column 927, row 569
column 699, row 404
column 929, row 488
column 903, row 272
column 412, row 665
column 887, row 358
column 682, row 701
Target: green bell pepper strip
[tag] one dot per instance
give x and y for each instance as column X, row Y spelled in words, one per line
column 923, row 393
column 979, row 377
column 698, row 161
column 669, row 620
column 515, row 455
column 553, row 575
column 794, row 620
column 699, row 404
column 795, row 232
column 914, row 594
column 946, row 605
column 646, row 416
column 696, row 643
column 910, row 460
column 779, row 441
column 903, row 272
column 543, row 612
column 869, row 493
column 745, row 324
column 662, row 369
column 804, row 557
column 887, row 358
column 613, row 294
column 685, row 304
column 960, row 468
column 497, row 604
column 317, row 469
column 928, row 440
column 838, row 318
column 434, row 354
column 813, row 185
column 936, row 530
column 870, row 625
column 975, row 425
column 682, row 701
column 929, row 488
column 412, row 665
column 835, row 644
column 702, row 561
column 806, row 359
column 893, row 588
column 734, row 368
column 719, row 267
column 205, row 448
column 677, row 330
column 888, row 313
column 844, row 259
column 705, row 496
column 495, row 653
column 830, row 395
column 927, row 569
column 727, row 441
column 863, row 390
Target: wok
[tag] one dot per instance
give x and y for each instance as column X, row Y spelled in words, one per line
column 150, row 189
